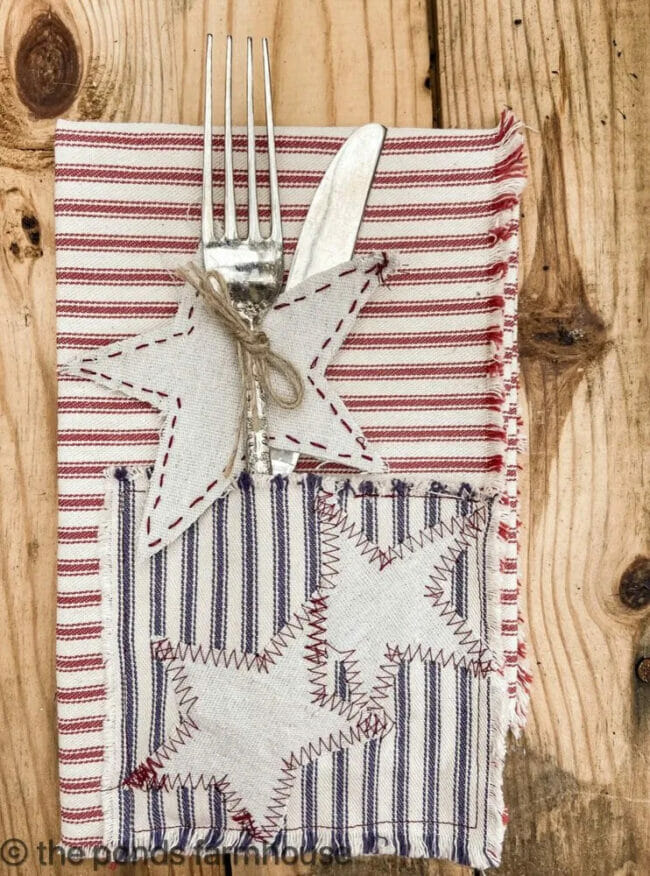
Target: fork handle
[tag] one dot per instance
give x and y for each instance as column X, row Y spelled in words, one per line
column 258, row 455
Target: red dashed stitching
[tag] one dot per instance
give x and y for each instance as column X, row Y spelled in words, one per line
column 156, row 501
column 375, row 268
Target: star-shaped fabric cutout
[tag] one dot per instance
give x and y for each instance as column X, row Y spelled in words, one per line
column 393, row 605
column 189, row 370
column 249, row 721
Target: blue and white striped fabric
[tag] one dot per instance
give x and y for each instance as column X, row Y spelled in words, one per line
column 424, row 781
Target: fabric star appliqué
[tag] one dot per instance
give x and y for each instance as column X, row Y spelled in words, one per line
column 248, row 721
column 190, row 372
column 400, row 601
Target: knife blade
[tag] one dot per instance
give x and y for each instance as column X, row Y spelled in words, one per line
column 330, row 230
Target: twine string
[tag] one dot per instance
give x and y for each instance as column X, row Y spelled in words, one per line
column 257, row 360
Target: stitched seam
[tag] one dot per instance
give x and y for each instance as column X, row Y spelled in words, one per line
column 377, row 269
column 309, row 619
column 162, row 395
column 161, row 481
column 458, row 527
column 119, row 352
column 461, row 528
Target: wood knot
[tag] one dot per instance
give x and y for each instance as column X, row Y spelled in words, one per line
column 567, row 337
column 47, row 67
column 634, row 589
column 20, row 229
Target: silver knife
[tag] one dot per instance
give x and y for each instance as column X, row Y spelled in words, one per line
column 330, row 231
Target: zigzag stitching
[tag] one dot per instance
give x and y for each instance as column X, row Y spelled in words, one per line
column 372, row 721
column 462, row 529
column 367, row 727
column 383, row 687
column 469, row 526
column 311, row 622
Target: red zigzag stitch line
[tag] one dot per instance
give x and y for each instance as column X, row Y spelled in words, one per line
column 309, row 620
column 463, row 530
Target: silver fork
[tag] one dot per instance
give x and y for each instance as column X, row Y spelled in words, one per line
column 252, row 267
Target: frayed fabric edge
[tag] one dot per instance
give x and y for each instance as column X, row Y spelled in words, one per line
column 385, row 484
column 497, row 817
column 513, row 182
column 199, row 844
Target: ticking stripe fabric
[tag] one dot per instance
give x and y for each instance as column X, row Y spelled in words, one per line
column 241, row 659
column 429, row 372
column 188, row 474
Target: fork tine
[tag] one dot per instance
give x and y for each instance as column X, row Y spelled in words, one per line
column 207, row 222
column 253, row 221
column 229, row 214
column 274, row 192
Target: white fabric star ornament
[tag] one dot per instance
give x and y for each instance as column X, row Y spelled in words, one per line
column 189, row 370
column 401, row 602
column 248, row 722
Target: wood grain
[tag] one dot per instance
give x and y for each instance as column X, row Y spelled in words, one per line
column 130, row 60
column 579, row 785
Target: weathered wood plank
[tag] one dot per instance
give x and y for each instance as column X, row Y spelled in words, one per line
column 141, row 60
column 578, row 785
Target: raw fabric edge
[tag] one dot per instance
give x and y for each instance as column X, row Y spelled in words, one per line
column 513, row 139
column 496, row 814
column 500, row 719
column 524, row 668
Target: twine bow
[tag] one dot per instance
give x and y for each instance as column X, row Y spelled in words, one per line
column 258, row 361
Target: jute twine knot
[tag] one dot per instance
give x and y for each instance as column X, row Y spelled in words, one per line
column 258, row 361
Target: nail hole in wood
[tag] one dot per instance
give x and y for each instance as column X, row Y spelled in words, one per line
column 643, row 670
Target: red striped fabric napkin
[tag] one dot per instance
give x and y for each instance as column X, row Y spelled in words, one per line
column 429, row 370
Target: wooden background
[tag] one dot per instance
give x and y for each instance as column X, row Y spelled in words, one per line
column 578, row 785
